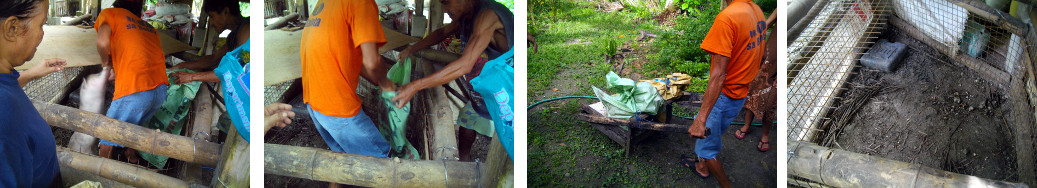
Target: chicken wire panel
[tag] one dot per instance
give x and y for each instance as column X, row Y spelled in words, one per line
column 274, row 92
column 984, row 39
column 48, row 87
column 825, row 55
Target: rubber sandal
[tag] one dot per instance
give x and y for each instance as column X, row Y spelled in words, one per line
column 690, row 164
column 743, row 134
column 760, row 147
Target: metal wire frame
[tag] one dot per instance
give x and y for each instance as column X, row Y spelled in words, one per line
column 825, row 55
column 50, row 86
column 274, row 92
column 949, row 23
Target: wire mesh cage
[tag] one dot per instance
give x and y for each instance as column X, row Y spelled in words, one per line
column 824, row 55
column 49, row 88
column 986, row 40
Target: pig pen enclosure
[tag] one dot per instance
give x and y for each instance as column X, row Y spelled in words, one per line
column 431, row 125
column 958, row 108
column 206, row 151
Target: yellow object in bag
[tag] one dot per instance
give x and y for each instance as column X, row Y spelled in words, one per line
column 671, row 86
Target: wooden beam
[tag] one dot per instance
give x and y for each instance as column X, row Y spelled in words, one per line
column 984, row 11
column 677, row 128
column 435, row 17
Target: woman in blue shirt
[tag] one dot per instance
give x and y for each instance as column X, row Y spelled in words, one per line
column 28, row 156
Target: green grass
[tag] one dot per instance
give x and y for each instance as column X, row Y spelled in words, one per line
column 551, row 160
column 574, row 41
column 573, row 34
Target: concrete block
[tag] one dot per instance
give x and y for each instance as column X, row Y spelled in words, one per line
column 884, row 55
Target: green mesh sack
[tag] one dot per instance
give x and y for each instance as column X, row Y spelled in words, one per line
column 630, row 97
column 396, row 133
column 170, row 117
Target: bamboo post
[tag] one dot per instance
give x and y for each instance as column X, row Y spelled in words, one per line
column 442, row 123
column 200, row 128
column 282, row 22
column 360, row 170
column 438, row 56
column 115, row 170
column 497, row 164
column 841, row 168
column 130, row 135
column 233, row 169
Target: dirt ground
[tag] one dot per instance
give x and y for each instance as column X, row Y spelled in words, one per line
column 932, row 112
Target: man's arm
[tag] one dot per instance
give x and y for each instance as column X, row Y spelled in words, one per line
column 431, row 39
column 205, row 62
column 104, row 34
column 485, row 25
column 717, row 76
column 374, row 70
column 42, row 69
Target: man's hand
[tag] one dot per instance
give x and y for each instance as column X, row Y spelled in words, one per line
column 388, row 85
column 183, row 77
column 698, row 128
column 404, row 94
column 406, row 53
column 41, row 69
column 277, row 114
column 49, row 66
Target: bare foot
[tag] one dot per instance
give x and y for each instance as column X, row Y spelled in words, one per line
column 700, row 167
column 131, row 155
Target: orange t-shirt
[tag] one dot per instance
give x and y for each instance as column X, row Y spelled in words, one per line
column 738, row 33
column 137, row 58
column 331, row 57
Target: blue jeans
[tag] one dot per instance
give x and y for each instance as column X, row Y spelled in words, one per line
column 136, row 108
column 355, row 135
column 724, row 111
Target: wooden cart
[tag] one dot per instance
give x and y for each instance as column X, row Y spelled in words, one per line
column 628, row 132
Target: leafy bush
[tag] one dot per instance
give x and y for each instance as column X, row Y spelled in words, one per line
column 679, row 47
column 767, row 6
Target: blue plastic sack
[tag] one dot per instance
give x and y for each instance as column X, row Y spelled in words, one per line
column 496, row 84
column 235, row 83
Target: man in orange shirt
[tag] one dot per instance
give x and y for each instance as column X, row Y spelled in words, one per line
column 736, row 43
column 132, row 49
column 339, row 45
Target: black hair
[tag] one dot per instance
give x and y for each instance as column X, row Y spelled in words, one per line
column 20, row 9
column 134, row 6
column 219, row 5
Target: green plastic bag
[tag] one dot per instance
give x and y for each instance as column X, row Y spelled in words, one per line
column 397, row 130
column 470, row 119
column 631, row 97
column 170, row 118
